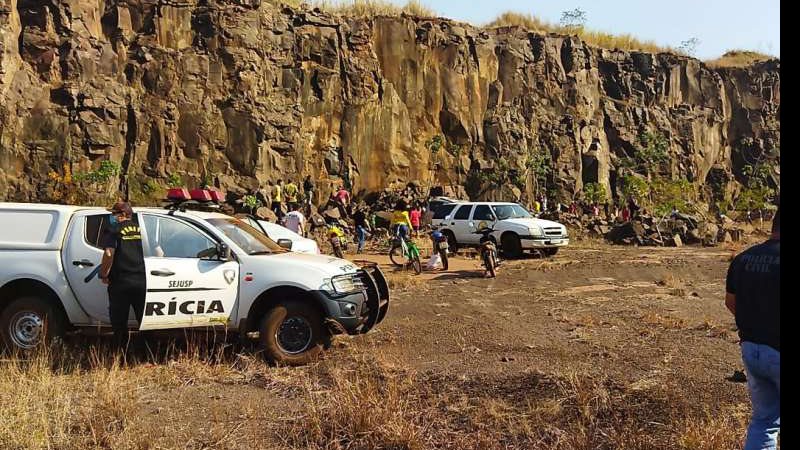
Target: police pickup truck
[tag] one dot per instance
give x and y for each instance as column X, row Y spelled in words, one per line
column 204, row 269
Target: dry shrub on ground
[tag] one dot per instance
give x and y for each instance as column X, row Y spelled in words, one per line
column 372, row 8
column 352, row 400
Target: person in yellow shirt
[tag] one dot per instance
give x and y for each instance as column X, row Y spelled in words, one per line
column 290, row 191
column 401, row 222
column 276, row 194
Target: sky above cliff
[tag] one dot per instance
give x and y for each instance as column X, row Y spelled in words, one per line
column 720, row 25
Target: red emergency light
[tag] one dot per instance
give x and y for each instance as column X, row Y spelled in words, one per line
column 216, row 196
column 178, row 194
column 200, row 195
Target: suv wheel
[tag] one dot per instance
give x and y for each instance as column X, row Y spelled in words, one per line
column 292, row 333
column 28, row 323
column 511, row 246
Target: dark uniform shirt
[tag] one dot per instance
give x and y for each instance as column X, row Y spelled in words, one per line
column 360, row 219
column 754, row 277
column 128, row 264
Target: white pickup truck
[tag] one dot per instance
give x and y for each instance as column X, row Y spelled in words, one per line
column 243, row 282
column 515, row 229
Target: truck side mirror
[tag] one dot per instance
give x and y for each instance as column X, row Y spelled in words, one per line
column 492, row 217
column 285, row 243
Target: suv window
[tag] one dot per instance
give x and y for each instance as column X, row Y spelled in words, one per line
column 441, row 211
column 463, row 212
column 482, row 212
column 96, row 228
column 170, row 238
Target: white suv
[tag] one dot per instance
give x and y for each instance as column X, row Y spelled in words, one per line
column 515, row 229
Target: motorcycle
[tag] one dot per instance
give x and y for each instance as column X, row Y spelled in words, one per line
column 337, row 240
column 488, row 250
column 440, row 245
column 405, row 252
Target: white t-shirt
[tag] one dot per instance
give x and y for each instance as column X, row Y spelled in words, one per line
column 293, row 220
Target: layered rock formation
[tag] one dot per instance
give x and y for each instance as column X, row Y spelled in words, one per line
column 245, row 91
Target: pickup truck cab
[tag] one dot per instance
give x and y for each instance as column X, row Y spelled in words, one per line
column 515, row 229
column 203, row 269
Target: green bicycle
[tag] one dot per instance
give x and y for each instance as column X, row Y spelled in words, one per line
column 405, row 252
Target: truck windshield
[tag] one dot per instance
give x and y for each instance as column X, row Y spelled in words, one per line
column 504, row 212
column 246, row 237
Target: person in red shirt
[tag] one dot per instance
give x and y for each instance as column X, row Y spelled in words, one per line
column 343, row 196
column 415, row 216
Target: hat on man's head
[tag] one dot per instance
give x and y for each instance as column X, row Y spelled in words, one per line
column 122, row 207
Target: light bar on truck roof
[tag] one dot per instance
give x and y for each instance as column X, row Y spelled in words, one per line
column 178, row 194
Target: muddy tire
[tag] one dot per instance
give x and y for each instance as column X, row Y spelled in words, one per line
column 397, row 257
column 417, row 265
column 511, row 245
column 292, row 333
column 445, row 262
column 489, row 263
column 30, row 323
column 451, row 241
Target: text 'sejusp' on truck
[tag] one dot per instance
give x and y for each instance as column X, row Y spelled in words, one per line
column 203, row 269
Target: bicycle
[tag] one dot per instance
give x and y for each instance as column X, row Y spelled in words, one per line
column 404, row 252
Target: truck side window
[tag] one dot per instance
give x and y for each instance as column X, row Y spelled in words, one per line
column 463, row 212
column 170, row 238
column 441, row 211
column 482, row 212
column 95, row 230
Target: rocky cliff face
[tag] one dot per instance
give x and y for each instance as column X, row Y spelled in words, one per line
column 245, row 91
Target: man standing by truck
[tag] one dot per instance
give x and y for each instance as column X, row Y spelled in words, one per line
column 122, row 269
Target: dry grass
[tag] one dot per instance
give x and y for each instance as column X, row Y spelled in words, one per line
column 592, row 37
column 403, row 279
column 738, row 58
column 66, row 406
column 351, row 400
column 668, row 322
column 372, row 8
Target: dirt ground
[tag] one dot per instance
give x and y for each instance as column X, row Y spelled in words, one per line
column 648, row 324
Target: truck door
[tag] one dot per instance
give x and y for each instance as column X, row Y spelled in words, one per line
column 183, row 289
column 81, row 258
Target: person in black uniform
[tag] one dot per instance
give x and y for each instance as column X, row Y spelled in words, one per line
column 122, row 269
column 753, row 297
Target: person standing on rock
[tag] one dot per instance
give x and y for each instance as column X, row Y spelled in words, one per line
column 308, row 194
column 277, row 198
column 294, row 220
column 362, row 228
column 753, row 297
column 633, row 207
column 291, row 191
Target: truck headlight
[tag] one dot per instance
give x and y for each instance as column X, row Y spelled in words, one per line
column 345, row 284
column 536, row 231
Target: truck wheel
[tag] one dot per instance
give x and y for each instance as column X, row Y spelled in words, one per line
column 511, row 245
column 292, row 333
column 28, row 323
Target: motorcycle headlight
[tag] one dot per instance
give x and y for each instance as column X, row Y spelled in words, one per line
column 535, row 231
column 345, row 284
